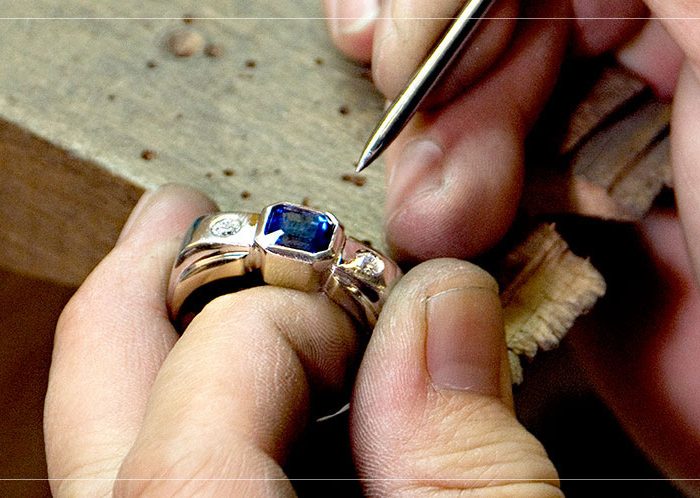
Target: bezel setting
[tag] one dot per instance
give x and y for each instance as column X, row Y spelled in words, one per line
column 301, row 262
column 276, row 218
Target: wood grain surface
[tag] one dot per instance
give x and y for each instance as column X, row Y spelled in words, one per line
column 81, row 99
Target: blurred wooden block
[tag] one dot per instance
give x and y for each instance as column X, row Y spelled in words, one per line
column 611, row 92
column 614, row 155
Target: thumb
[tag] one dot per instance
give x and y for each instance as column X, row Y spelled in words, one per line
column 432, row 411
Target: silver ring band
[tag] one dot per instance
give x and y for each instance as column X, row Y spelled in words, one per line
column 286, row 245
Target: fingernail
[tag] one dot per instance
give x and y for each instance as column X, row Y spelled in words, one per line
column 141, row 206
column 464, row 340
column 353, row 16
column 419, row 169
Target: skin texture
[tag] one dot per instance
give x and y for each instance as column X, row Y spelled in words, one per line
column 647, row 373
column 134, row 411
column 127, row 399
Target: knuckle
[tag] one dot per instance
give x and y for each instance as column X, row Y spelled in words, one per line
column 176, row 469
column 477, row 453
column 161, row 470
column 513, row 490
column 83, row 478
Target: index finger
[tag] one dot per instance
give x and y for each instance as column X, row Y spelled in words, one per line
column 110, row 342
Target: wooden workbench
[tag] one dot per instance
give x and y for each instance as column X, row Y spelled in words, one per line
column 96, row 106
column 277, row 115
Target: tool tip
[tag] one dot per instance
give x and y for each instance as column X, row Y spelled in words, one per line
column 371, row 152
column 363, row 162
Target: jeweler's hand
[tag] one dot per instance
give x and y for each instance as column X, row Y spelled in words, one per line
column 216, row 412
column 455, row 174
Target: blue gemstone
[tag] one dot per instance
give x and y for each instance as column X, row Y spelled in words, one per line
column 303, row 229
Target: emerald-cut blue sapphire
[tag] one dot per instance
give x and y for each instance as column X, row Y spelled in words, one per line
column 302, row 229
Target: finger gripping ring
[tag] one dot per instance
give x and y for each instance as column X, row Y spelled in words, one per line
column 286, row 245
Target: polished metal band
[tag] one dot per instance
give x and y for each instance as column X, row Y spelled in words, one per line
column 286, row 245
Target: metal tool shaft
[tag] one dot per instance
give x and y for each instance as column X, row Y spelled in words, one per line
column 424, row 79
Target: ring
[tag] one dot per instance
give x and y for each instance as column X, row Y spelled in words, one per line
column 286, row 245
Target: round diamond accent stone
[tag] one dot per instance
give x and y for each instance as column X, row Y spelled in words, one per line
column 225, row 227
column 369, row 264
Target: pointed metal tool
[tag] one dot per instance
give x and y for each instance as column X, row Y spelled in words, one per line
column 402, row 109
